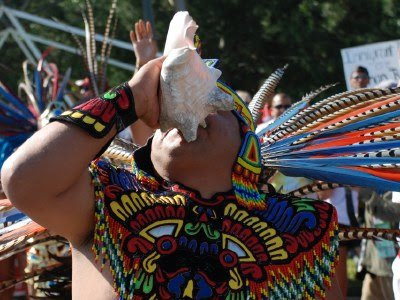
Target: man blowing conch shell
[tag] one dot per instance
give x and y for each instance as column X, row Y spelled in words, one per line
column 188, row 221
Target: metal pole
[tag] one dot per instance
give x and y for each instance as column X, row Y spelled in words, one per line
column 180, row 5
column 3, row 36
column 148, row 15
column 22, row 46
column 73, row 50
column 63, row 27
column 32, row 47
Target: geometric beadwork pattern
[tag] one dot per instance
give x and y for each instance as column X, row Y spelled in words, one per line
column 163, row 241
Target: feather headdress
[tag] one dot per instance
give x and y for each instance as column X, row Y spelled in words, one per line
column 40, row 96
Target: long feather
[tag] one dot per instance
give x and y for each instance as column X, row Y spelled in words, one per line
column 358, row 120
column 17, row 103
column 349, row 141
column 317, row 106
column 356, row 233
column 55, row 77
column 292, row 111
column 39, row 88
column 103, row 51
column 13, row 113
column 265, row 93
column 90, row 57
column 325, row 108
column 61, row 90
column 108, row 54
column 92, row 33
column 314, row 188
column 82, row 52
column 348, row 123
column 28, row 88
column 345, row 176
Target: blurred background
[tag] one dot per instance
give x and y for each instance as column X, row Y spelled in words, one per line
column 251, row 38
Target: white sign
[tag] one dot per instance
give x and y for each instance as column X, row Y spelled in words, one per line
column 380, row 59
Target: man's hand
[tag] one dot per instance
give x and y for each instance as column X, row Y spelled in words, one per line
column 145, row 85
column 144, row 46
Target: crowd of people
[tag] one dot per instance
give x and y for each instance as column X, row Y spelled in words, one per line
column 189, row 219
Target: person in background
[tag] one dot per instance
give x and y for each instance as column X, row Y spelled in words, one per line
column 359, row 78
column 345, row 201
column 246, row 97
column 389, row 211
column 279, row 104
column 145, row 49
column 378, row 256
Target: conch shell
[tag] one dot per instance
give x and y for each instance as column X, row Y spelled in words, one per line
column 188, row 86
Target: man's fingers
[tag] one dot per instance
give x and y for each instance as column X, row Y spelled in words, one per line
column 137, row 31
column 132, row 36
column 159, row 61
column 149, row 30
column 142, row 29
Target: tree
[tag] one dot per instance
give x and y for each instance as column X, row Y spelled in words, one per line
column 251, row 38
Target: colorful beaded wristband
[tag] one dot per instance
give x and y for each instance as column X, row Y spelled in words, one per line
column 98, row 116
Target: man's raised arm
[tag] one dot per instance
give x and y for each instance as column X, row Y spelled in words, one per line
column 48, row 178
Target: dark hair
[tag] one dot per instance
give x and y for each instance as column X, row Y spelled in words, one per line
column 361, row 69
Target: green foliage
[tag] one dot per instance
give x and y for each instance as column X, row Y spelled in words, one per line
column 252, row 37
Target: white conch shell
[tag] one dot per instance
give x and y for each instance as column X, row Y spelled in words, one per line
column 188, row 86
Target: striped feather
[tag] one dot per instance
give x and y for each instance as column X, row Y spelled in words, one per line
column 265, row 93
column 314, row 188
column 295, row 109
column 357, row 120
column 352, row 140
column 108, row 54
column 102, row 74
column 92, row 40
column 356, row 233
column 92, row 76
column 335, row 103
column 27, row 86
column 82, row 52
column 305, row 113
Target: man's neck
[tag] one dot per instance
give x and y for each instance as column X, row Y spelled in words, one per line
column 207, row 183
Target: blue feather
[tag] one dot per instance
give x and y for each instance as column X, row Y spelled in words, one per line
column 375, row 120
column 334, row 161
column 283, row 118
column 16, row 114
column 17, row 103
column 14, row 217
column 342, row 176
column 39, row 92
column 9, row 144
column 348, row 150
column 60, row 93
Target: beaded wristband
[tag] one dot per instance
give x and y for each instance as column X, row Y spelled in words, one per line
column 98, row 116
